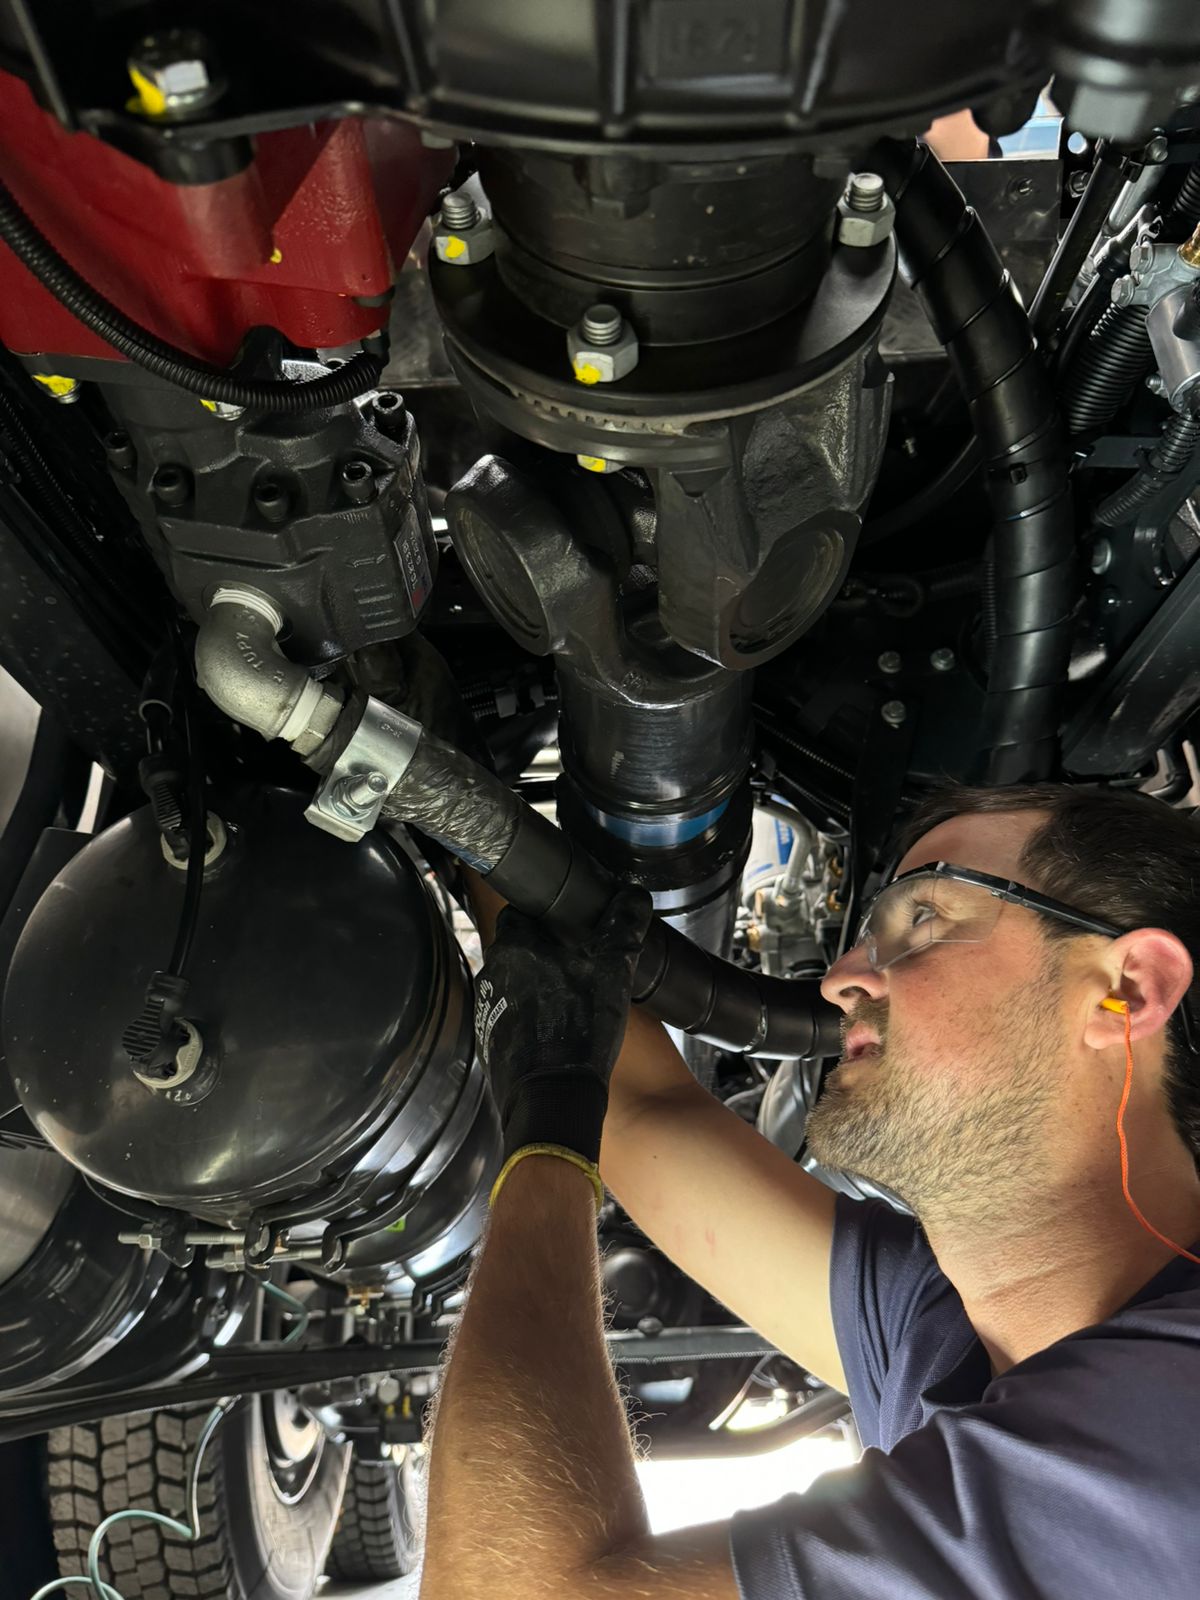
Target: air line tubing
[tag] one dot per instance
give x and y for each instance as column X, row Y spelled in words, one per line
column 949, row 261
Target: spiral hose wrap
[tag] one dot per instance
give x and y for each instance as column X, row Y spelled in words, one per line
column 975, row 311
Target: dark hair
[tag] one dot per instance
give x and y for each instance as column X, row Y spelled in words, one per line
column 1125, row 857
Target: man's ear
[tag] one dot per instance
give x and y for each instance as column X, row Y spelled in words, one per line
column 1151, row 971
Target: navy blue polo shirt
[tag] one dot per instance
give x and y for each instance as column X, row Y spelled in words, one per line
column 1073, row 1476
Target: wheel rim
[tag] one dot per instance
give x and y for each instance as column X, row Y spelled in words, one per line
column 295, row 1441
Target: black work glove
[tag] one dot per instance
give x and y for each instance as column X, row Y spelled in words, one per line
column 549, row 1023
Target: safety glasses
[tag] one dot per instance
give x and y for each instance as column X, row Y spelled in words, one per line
column 945, row 904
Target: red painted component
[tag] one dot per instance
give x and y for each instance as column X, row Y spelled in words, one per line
column 288, row 243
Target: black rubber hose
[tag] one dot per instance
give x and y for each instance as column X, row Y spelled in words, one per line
column 165, row 361
column 1109, row 365
column 1166, row 461
column 971, row 303
column 542, row 872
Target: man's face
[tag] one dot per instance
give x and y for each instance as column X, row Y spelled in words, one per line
column 954, row 1055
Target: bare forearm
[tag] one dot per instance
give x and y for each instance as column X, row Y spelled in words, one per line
column 532, row 1471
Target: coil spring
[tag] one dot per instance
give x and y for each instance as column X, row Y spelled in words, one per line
column 1184, row 211
column 1113, row 360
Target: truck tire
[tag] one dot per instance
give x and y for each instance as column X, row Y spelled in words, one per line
column 266, row 1516
column 376, row 1536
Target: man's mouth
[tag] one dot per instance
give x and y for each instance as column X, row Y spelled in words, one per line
column 862, row 1043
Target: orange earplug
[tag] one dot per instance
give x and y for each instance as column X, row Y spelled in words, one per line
column 1114, row 1005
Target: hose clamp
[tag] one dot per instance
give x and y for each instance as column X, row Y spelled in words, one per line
column 372, row 762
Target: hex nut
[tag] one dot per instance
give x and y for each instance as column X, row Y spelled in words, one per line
column 464, row 247
column 607, row 363
column 861, row 229
column 174, row 73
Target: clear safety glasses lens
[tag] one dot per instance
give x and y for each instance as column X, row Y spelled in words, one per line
column 926, row 908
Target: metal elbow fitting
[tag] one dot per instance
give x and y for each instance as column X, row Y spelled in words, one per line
column 243, row 673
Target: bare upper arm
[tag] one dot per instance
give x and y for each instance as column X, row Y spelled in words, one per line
column 722, row 1202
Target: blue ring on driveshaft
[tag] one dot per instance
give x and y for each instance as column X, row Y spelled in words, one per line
column 657, row 835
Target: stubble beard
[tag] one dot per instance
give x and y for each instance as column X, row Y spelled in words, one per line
column 951, row 1145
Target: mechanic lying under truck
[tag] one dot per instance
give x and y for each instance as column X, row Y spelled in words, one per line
column 589, row 445
column 1023, row 1352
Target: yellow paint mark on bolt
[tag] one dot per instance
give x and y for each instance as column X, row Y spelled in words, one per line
column 593, row 463
column 55, row 384
column 151, row 99
column 276, row 256
column 586, row 371
column 454, row 247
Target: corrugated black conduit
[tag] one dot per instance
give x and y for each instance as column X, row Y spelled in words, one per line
column 970, row 301
column 165, row 361
column 1166, row 461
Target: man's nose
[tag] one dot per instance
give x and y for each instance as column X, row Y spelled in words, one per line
column 852, row 978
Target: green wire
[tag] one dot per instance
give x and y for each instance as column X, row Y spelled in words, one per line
column 297, row 1308
column 186, row 1530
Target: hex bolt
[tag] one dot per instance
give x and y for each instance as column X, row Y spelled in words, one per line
column 602, row 347
column 171, row 484
column 1155, row 383
column 602, row 325
column 271, row 500
column 1077, row 183
column 942, row 659
column 893, row 712
column 890, row 661
column 63, row 391
column 175, row 73
column 459, row 210
column 358, row 480
column 387, row 412
column 360, row 791
column 118, row 447
column 866, row 214
column 865, row 192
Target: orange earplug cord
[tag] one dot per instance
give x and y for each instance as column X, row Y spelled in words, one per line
column 1122, row 1007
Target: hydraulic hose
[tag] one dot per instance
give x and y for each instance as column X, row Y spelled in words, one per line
column 534, row 865
column 540, row 871
column 166, row 361
column 1166, row 461
column 947, row 258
